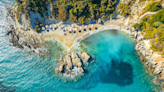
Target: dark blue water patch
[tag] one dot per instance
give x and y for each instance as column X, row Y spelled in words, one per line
column 120, row 74
column 29, row 73
column 117, row 67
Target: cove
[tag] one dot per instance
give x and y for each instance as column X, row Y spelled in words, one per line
column 114, row 67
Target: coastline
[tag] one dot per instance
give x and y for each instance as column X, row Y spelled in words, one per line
column 152, row 61
column 83, row 37
column 76, row 38
column 137, row 36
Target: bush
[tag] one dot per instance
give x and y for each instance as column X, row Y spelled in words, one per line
column 157, row 24
column 36, row 30
column 153, row 7
column 136, row 25
column 158, row 17
column 140, row 25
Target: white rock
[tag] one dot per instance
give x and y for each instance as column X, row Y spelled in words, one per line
column 84, row 56
column 158, row 70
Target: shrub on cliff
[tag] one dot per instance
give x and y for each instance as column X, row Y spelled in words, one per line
column 153, row 28
column 139, row 25
column 158, row 17
column 153, row 7
column 124, row 8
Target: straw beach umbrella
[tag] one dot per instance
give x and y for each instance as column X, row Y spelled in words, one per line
column 43, row 28
column 47, row 26
column 50, row 26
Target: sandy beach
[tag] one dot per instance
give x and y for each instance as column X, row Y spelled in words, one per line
column 75, row 36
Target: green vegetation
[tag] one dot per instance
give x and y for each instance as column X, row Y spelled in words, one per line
column 75, row 10
column 153, row 28
column 124, row 8
column 25, row 6
column 153, row 7
column 83, row 10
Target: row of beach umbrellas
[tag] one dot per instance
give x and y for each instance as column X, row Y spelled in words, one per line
column 47, row 27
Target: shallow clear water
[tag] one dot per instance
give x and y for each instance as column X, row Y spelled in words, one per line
column 114, row 67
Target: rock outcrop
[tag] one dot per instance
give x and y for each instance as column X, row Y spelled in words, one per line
column 84, row 56
column 71, row 64
column 152, row 60
column 68, row 61
column 75, row 60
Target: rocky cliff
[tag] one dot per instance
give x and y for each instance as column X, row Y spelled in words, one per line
column 153, row 61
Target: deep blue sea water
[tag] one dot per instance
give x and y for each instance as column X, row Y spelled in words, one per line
column 114, row 67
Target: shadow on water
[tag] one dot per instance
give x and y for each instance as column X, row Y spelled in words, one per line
column 121, row 74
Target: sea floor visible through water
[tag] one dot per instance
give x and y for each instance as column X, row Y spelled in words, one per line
column 114, row 66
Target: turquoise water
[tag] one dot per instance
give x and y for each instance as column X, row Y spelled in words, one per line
column 114, row 67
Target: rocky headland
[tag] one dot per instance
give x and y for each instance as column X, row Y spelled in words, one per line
column 153, row 61
column 24, row 37
column 72, row 64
